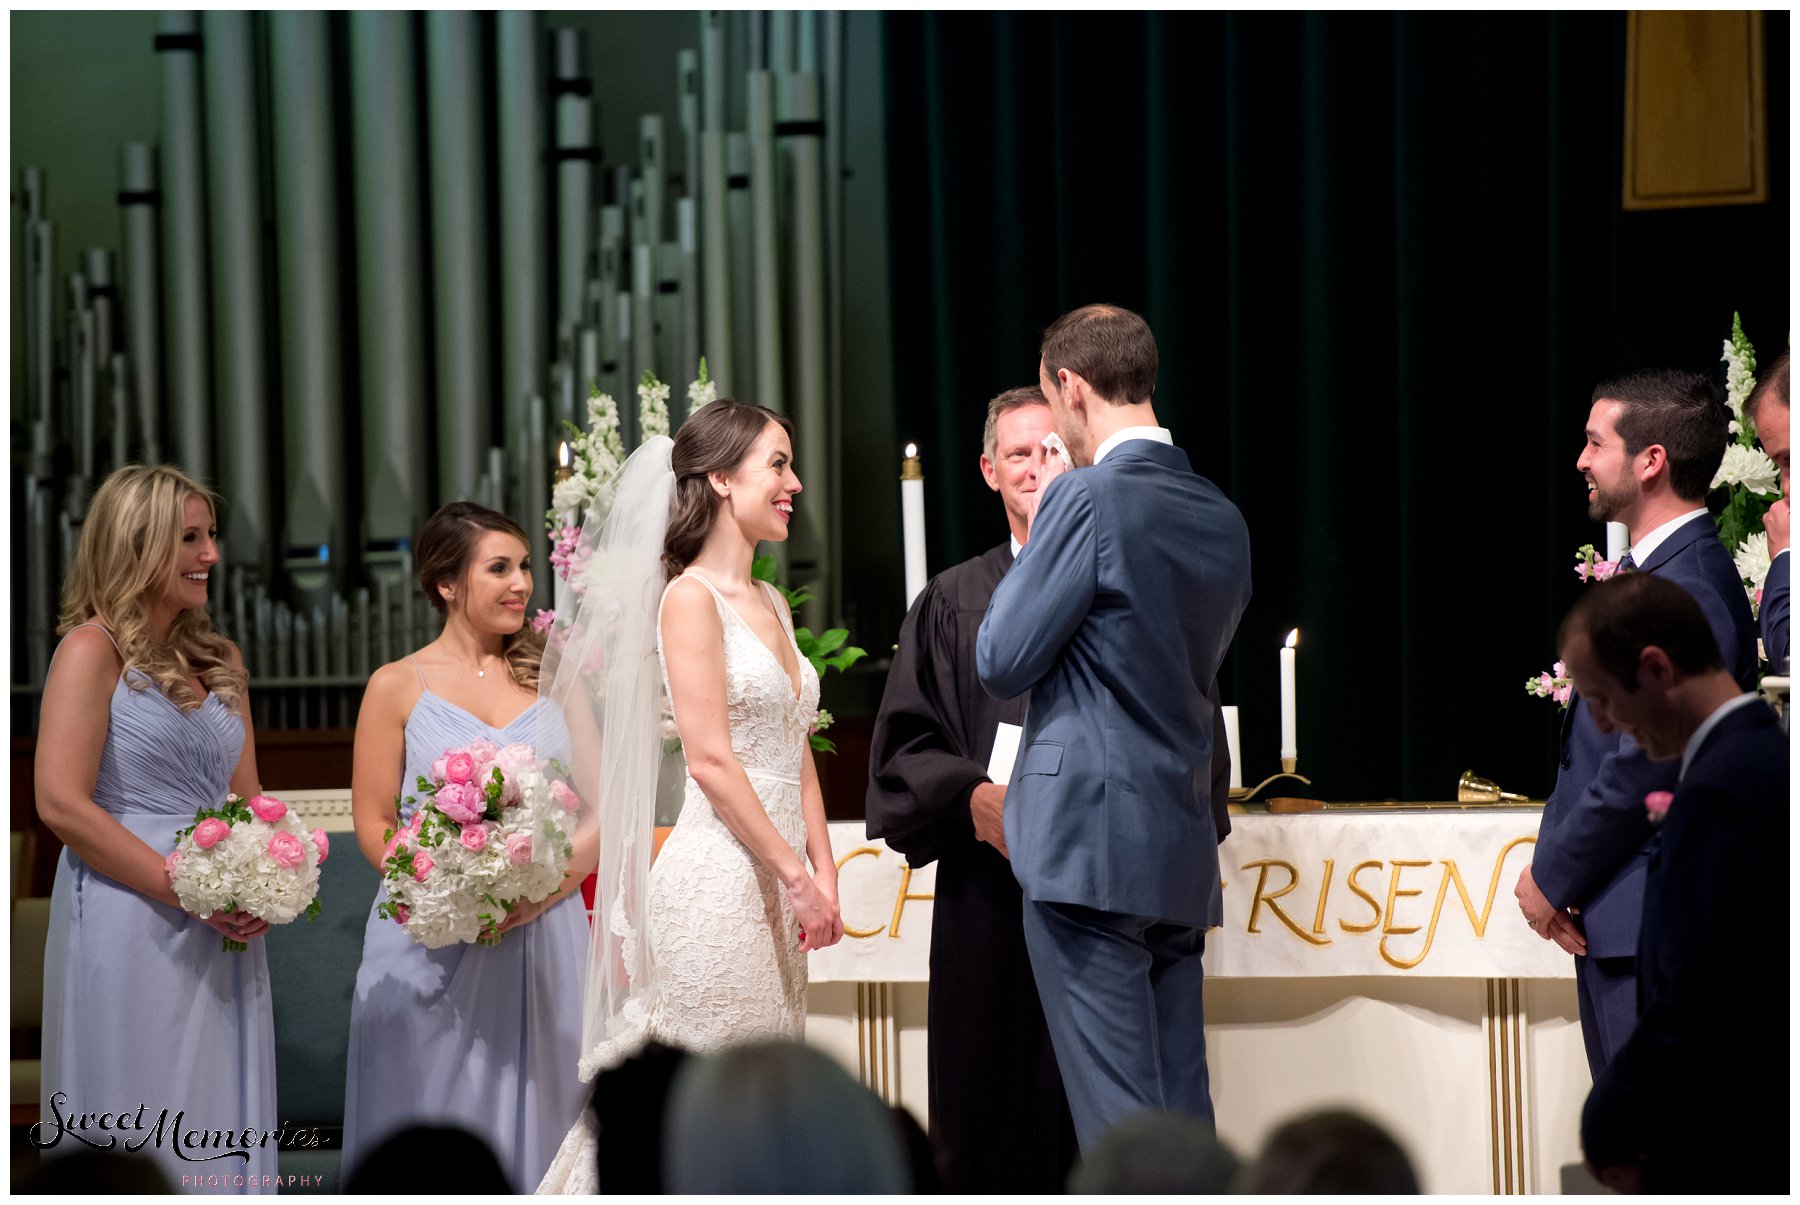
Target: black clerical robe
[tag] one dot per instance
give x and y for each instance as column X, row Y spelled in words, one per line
column 999, row 1119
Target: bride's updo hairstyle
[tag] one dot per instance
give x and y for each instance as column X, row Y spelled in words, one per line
column 714, row 439
column 444, row 553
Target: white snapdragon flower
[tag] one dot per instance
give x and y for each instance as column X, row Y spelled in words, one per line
column 1748, row 467
column 653, row 408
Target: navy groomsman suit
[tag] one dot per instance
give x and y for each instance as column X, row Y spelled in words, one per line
column 1680, row 1094
column 1773, row 615
column 1593, row 841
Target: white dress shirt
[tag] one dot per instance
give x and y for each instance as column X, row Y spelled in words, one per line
column 1159, row 434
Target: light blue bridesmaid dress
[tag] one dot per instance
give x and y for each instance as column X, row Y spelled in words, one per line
column 484, row 1037
column 142, row 1004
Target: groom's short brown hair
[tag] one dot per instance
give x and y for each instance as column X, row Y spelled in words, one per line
column 1109, row 346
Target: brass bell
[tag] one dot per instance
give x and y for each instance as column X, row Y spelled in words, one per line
column 1473, row 788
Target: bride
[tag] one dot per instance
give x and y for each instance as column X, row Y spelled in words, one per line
column 708, row 948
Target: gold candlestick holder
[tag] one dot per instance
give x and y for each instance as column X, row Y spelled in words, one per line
column 1288, row 771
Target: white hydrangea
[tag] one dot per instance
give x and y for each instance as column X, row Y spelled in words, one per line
column 1748, row 467
column 459, row 897
column 239, row 873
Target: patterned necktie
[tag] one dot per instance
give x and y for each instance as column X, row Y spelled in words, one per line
column 1626, row 564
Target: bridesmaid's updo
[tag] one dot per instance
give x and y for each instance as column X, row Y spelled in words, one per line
column 714, row 439
column 444, row 553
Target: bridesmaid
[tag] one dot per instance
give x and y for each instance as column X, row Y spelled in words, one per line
column 146, row 716
column 486, row 1037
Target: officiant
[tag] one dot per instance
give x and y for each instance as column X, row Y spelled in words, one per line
column 999, row 1117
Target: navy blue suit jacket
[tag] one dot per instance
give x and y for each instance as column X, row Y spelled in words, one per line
column 1773, row 614
column 1115, row 617
column 1714, row 945
column 1591, row 847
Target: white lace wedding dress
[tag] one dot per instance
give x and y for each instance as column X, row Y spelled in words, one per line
column 729, row 964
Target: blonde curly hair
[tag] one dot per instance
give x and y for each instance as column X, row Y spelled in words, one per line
column 127, row 558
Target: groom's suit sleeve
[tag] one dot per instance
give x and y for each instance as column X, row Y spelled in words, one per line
column 1044, row 598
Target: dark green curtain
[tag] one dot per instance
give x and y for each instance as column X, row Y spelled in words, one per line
column 1386, row 263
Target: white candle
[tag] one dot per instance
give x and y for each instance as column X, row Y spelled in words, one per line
column 1290, row 724
column 912, row 521
column 559, row 586
column 1231, row 745
column 1618, row 539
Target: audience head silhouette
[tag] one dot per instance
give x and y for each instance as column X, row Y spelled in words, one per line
column 778, row 1117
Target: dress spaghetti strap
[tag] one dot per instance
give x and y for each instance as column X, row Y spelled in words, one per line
column 92, row 624
column 423, row 685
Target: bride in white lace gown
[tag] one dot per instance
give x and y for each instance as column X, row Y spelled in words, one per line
column 709, row 948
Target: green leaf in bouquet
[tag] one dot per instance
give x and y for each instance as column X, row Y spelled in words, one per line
column 313, row 909
column 821, row 744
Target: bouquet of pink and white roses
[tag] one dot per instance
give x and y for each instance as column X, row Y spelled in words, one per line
column 250, row 856
column 494, row 827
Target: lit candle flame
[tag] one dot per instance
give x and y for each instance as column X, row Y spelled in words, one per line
column 912, row 450
column 562, row 453
column 1293, row 639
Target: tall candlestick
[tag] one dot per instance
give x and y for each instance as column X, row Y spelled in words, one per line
column 1618, row 539
column 912, row 521
column 1290, row 724
column 1232, row 745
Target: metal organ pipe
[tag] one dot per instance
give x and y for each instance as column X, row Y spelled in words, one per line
column 311, row 301
column 459, row 224
column 139, row 202
column 185, row 244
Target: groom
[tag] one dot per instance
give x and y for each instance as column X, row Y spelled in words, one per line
column 1115, row 617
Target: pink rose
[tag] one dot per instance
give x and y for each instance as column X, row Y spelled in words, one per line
column 458, row 767
column 422, row 865
column 267, row 807
column 322, row 843
column 437, row 768
column 170, row 863
column 210, row 831
column 475, row 837
column 565, row 796
column 461, row 802
column 516, row 758
column 287, row 850
column 393, row 844
column 1656, row 805
column 402, row 914
column 518, row 849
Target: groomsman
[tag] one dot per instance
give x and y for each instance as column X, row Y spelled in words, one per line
column 1715, row 905
column 1767, row 410
column 999, row 1116
column 1654, row 441
column 1116, row 617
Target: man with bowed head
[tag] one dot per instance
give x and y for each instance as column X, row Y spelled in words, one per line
column 1116, row 617
column 1670, row 1112
column 1654, row 440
